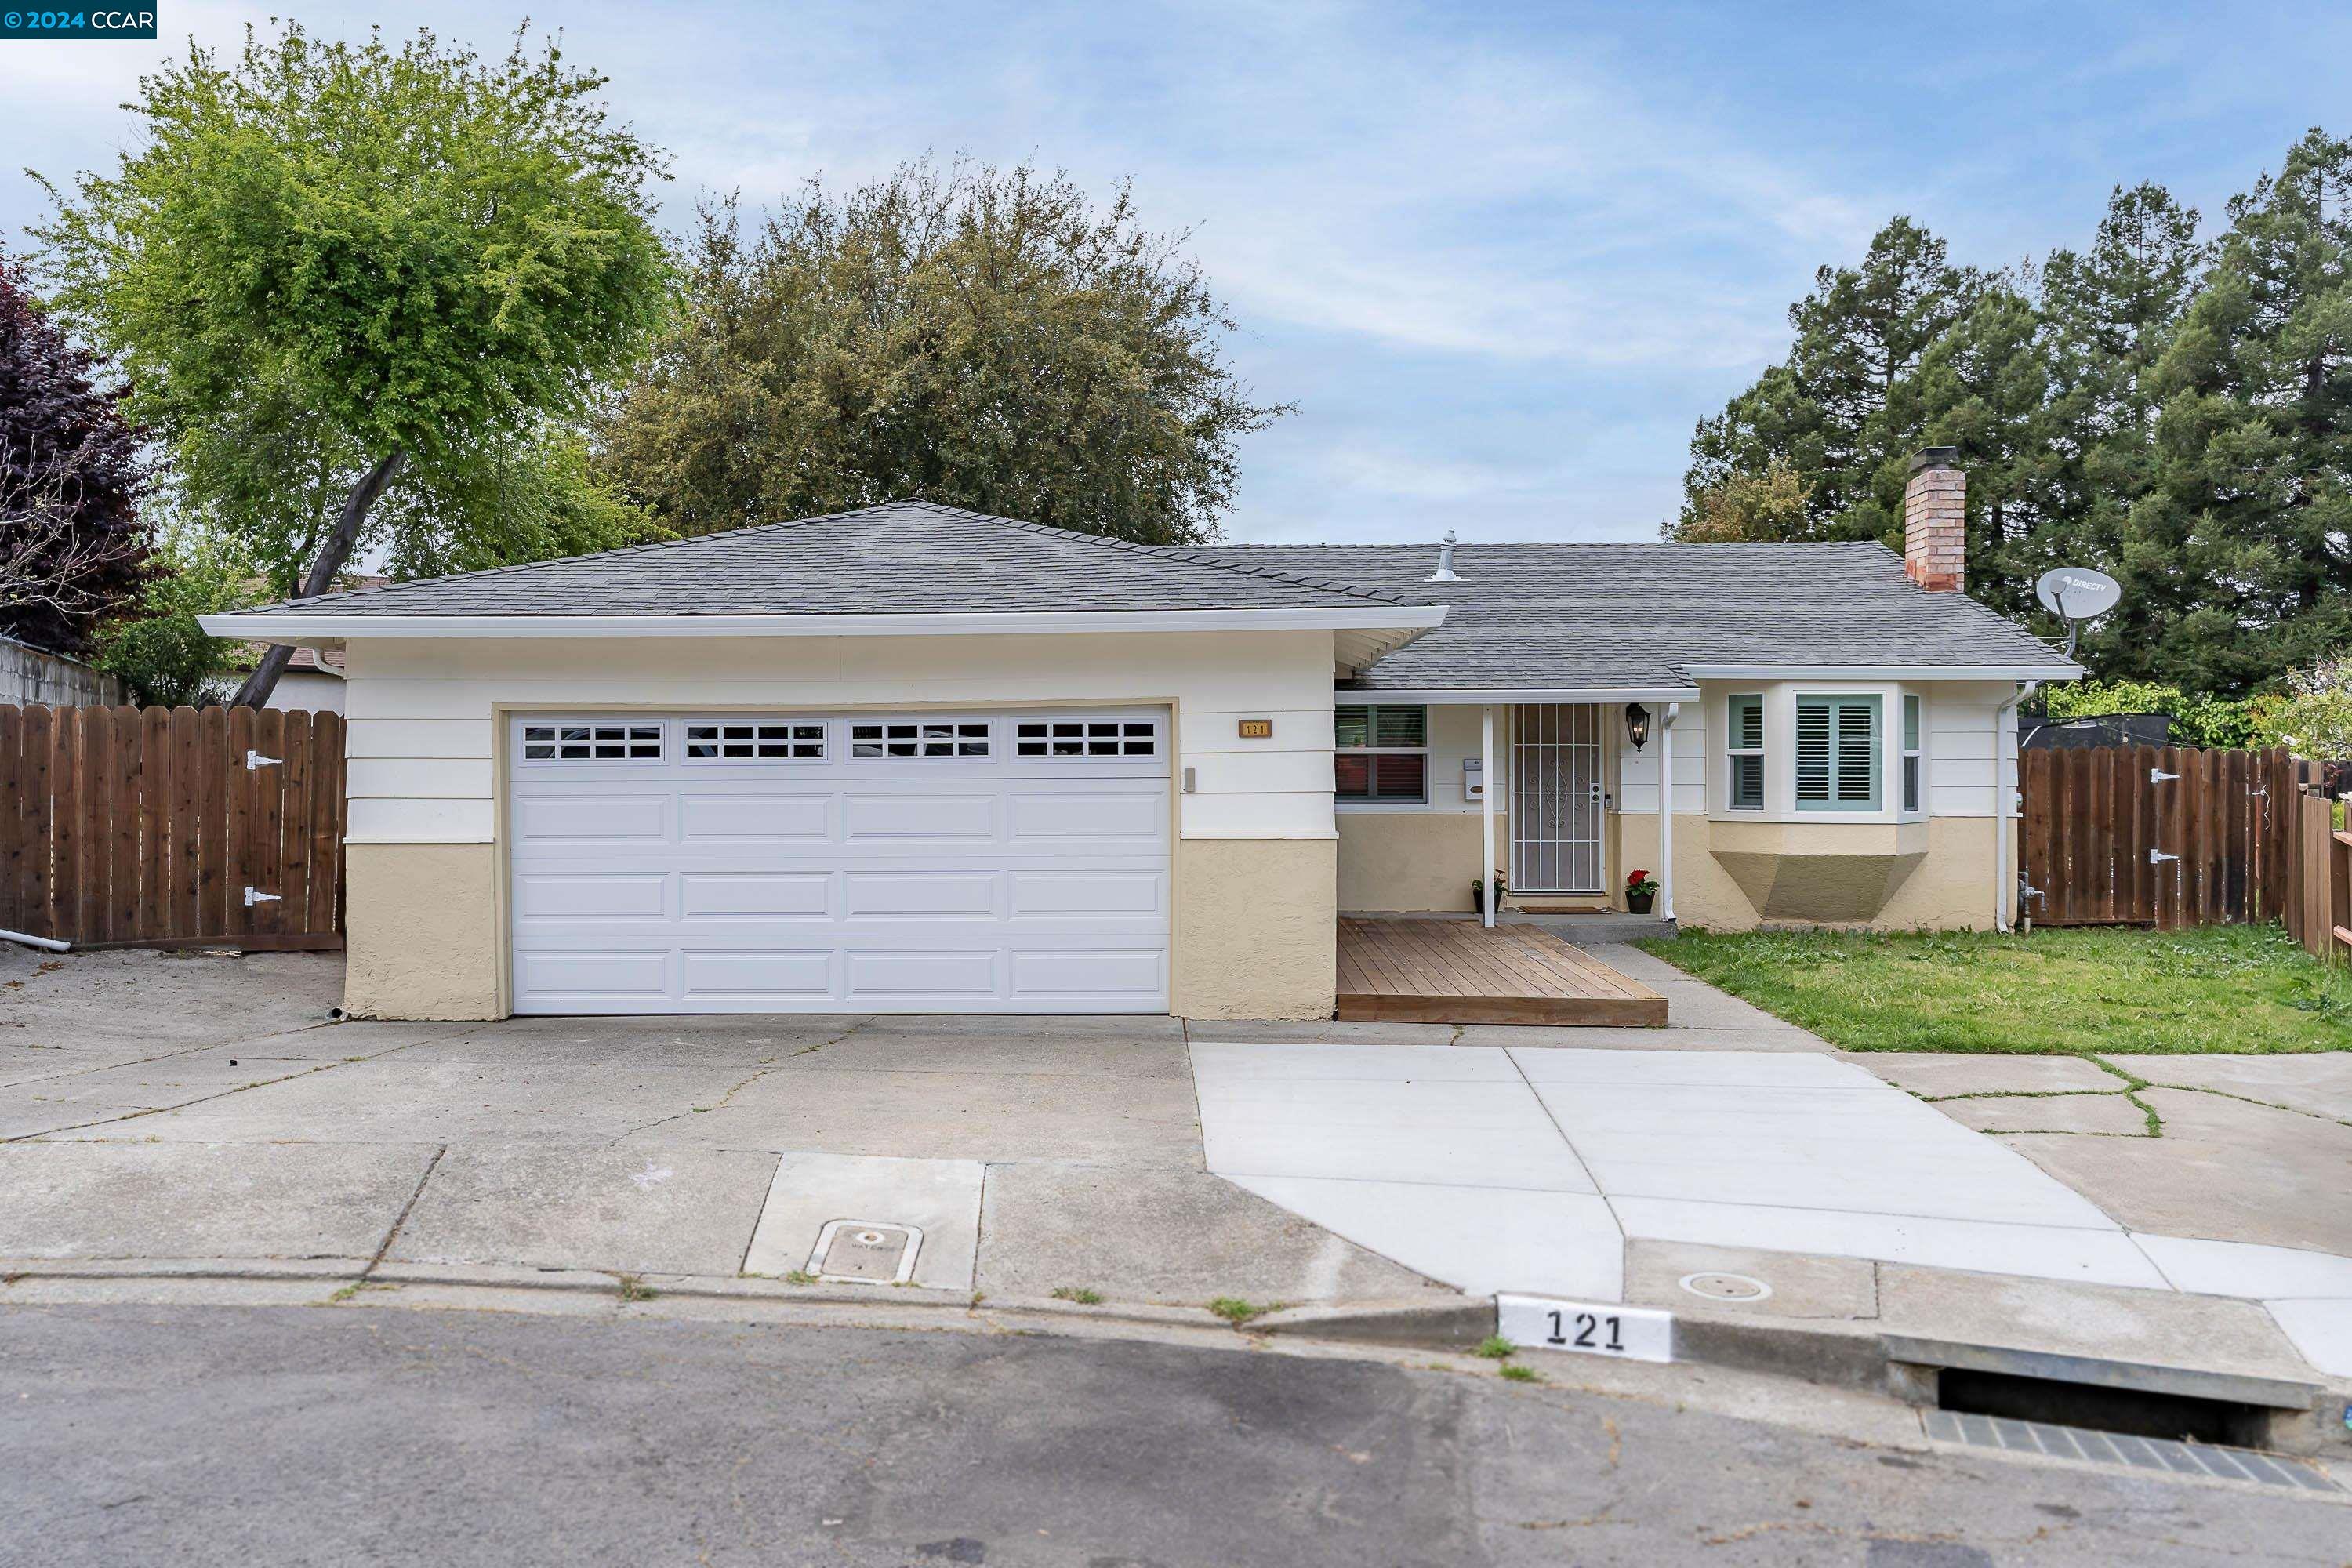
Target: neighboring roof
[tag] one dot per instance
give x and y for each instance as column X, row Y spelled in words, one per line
column 903, row 558
column 1644, row 616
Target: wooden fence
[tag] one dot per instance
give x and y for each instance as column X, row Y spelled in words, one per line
column 170, row 828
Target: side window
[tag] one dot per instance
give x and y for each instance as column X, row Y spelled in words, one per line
column 1382, row 753
column 1837, row 754
column 1912, row 764
column 1745, row 747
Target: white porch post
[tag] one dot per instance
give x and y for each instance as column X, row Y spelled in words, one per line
column 1487, row 877
column 1666, row 814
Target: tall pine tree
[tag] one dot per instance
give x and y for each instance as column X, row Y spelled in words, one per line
column 2235, row 562
column 1822, row 414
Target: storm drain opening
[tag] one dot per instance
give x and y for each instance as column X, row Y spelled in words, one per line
column 2140, row 1413
column 865, row 1252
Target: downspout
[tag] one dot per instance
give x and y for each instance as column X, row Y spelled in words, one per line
column 2004, row 894
column 1487, row 877
column 47, row 944
column 1666, row 815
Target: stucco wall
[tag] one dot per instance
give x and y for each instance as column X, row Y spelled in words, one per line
column 1937, row 874
column 424, row 929
column 425, row 770
column 1412, row 861
column 1257, row 928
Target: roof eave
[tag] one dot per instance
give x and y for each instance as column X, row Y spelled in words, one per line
column 2054, row 670
column 1396, row 624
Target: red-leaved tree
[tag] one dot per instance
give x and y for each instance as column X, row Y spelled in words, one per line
column 72, row 471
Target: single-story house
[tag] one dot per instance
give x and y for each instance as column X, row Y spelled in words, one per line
column 917, row 759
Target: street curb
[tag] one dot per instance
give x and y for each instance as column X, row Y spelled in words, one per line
column 1432, row 1325
column 1853, row 1356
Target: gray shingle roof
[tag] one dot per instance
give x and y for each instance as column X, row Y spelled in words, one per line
column 1616, row 615
column 903, row 558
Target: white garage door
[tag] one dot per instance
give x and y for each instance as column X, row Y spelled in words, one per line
column 825, row 863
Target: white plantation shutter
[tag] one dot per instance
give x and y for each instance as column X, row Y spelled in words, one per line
column 1837, row 754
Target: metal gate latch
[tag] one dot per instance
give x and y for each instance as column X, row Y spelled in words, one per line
column 254, row 895
column 2158, row 856
column 255, row 760
column 2158, row 775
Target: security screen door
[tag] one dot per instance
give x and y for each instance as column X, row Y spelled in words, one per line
column 1556, row 800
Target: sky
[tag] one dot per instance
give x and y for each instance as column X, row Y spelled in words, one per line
column 1503, row 256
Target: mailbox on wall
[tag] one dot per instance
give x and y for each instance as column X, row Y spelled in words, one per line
column 1473, row 778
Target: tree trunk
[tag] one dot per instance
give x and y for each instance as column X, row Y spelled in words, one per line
column 332, row 555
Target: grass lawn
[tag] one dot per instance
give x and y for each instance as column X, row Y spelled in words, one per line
column 2082, row 989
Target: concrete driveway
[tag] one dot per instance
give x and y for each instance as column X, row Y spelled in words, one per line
column 202, row 1108
column 153, row 1107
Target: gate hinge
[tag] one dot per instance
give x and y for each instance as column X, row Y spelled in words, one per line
column 2158, row 775
column 254, row 895
column 2158, row 856
column 255, row 760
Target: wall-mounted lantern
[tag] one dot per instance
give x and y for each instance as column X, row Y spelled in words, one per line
column 1637, row 725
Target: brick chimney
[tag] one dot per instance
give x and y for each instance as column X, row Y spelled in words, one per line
column 1935, row 522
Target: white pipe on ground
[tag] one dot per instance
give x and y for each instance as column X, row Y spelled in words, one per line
column 1666, row 815
column 2004, row 892
column 1487, row 877
column 47, row 944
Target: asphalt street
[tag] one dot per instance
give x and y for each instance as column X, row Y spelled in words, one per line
column 199, row 1435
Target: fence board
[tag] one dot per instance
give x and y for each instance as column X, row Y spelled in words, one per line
column 130, row 827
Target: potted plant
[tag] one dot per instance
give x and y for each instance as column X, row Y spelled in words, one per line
column 1639, row 891
column 1477, row 897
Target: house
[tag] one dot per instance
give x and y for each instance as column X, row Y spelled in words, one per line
column 915, row 759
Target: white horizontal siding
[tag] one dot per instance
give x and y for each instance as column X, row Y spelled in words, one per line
column 1257, row 815
column 422, row 821
column 422, row 711
column 1637, row 771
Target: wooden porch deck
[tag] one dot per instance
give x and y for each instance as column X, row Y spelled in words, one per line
column 1459, row 972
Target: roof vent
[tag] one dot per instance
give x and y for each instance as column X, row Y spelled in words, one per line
column 1444, row 572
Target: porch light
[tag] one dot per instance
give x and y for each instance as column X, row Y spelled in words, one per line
column 1637, row 725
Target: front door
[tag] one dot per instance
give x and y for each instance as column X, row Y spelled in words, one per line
column 1557, row 802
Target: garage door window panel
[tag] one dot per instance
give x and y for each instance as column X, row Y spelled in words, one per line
column 877, row 740
column 1086, row 738
column 591, row 743
column 755, row 741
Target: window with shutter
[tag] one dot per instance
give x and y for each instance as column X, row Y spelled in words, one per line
column 1384, row 754
column 1837, row 754
column 1746, row 749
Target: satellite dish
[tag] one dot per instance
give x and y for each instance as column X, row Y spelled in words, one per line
column 2075, row 595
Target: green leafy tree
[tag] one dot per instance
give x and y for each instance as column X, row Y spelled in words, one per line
column 980, row 337
column 157, row 647
column 2236, row 560
column 1823, row 413
column 333, row 272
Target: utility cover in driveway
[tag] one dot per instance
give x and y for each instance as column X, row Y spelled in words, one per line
column 824, row 863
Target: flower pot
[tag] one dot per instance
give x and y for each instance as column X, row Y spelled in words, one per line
column 1477, row 900
column 1638, row 903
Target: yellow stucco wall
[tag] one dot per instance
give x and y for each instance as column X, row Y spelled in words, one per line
column 1936, row 874
column 1412, row 861
column 1256, row 928
column 423, row 932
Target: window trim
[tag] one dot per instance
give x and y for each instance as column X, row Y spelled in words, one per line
column 1837, row 702
column 1913, row 769
column 1372, row 711
column 1733, row 752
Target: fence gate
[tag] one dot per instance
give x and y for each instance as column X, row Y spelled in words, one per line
column 2169, row 835
column 166, row 827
